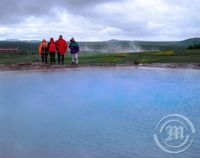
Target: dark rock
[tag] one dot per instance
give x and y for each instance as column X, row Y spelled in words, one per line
column 136, row 62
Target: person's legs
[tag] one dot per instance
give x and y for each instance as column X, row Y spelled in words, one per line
column 42, row 56
column 53, row 57
column 63, row 58
column 73, row 58
column 46, row 58
column 76, row 58
column 58, row 58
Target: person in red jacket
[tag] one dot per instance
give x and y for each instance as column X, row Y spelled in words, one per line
column 52, row 51
column 43, row 51
column 61, row 46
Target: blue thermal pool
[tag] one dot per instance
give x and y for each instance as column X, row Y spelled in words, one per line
column 94, row 112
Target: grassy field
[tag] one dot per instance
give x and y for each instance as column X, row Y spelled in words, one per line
column 169, row 52
column 186, row 56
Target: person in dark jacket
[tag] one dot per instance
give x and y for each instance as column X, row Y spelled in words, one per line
column 43, row 51
column 74, row 47
column 52, row 51
column 61, row 46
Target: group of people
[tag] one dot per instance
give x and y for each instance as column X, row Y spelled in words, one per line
column 60, row 46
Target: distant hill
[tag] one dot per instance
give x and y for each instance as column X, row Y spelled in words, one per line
column 189, row 43
column 192, row 43
column 192, row 40
column 113, row 40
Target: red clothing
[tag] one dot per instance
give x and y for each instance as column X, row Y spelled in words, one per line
column 61, row 46
column 42, row 47
column 52, row 46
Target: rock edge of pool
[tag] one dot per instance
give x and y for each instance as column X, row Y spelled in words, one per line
column 40, row 66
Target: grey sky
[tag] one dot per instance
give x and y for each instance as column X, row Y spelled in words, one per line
column 92, row 20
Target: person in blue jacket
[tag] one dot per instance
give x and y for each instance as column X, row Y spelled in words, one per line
column 74, row 47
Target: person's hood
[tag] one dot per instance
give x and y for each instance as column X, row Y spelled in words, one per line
column 72, row 40
column 60, row 37
column 44, row 41
column 51, row 40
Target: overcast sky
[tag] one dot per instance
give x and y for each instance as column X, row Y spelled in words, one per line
column 99, row 20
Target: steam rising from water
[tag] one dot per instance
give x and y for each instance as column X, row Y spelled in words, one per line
column 111, row 47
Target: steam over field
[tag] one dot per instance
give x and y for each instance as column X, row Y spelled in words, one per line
column 112, row 46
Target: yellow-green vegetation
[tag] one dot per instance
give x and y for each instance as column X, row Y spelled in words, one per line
column 186, row 56
column 145, row 57
column 165, row 53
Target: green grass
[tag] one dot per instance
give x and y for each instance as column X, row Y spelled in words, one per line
column 144, row 57
column 16, row 59
column 186, row 56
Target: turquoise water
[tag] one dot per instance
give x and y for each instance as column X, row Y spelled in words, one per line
column 94, row 113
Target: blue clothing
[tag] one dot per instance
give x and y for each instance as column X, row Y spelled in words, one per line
column 74, row 47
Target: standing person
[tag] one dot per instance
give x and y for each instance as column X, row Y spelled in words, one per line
column 43, row 51
column 61, row 46
column 74, row 47
column 52, row 51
